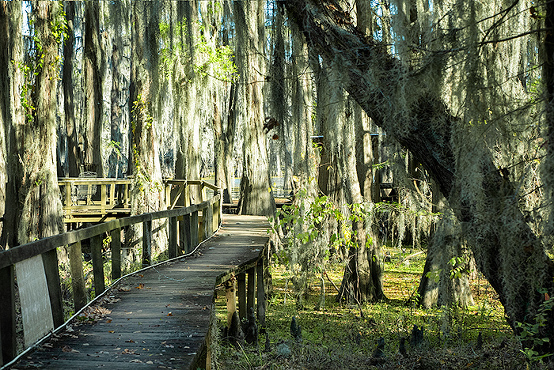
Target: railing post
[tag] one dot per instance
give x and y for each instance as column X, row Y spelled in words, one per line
column 50, row 261
column 112, row 194
column 168, row 195
column 202, row 192
column 147, row 243
column 193, row 230
column 7, row 318
column 261, row 293
column 216, row 215
column 186, row 194
column 183, row 233
column 172, row 248
column 241, row 282
column 77, row 278
column 116, row 253
column 103, row 200
column 97, row 264
column 67, row 202
column 208, row 221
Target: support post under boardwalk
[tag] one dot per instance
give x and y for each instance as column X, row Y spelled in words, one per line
column 231, row 299
column 116, row 252
column 77, row 277
column 97, row 264
column 146, row 243
column 7, row 318
column 261, row 293
column 241, row 282
column 251, row 292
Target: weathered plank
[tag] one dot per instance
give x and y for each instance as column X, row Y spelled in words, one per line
column 158, row 317
column 36, row 313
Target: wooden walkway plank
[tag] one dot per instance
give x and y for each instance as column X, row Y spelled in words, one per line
column 157, row 318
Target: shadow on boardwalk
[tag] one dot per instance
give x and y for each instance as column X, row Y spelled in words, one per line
column 157, row 318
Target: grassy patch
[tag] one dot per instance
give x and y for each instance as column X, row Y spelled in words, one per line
column 345, row 336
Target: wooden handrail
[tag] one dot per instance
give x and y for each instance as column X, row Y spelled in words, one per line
column 96, row 199
column 25, row 251
column 187, row 217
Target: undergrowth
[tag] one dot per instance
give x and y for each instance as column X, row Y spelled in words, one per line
column 345, row 336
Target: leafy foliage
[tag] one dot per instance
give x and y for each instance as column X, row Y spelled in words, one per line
column 530, row 332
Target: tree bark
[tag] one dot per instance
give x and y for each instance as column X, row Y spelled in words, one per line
column 93, row 89
column 11, row 116
column 73, row 155
column 147, row 193
column 39, row 195
column 438, row 286
column 426, row 129
column 119, row 98
column 256, row 197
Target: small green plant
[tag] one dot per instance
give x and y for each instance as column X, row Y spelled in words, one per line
column 530, row 333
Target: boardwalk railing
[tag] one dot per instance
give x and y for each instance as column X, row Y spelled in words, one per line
column 30, row 282
column 103, row 199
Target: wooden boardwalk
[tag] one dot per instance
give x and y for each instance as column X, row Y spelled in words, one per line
column 157, row 318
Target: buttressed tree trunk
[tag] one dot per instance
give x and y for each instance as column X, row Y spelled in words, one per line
column 147, row 187
column 511, row 258
column 41, row 210
column 256, row 197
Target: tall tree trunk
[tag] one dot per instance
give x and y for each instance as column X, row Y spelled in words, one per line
column 191, row 92
column 147, row 193
column 39, row 195
column 256, row 196
column 224, row 129
column 93, row 89
column 426, row 128
column 279, row 101
column 119, row 98
column 73, row 155
column 12, row 119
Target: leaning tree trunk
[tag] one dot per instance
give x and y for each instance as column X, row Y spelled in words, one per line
column 256, row 196
column 514, row 269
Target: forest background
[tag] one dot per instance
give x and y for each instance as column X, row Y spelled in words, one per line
column 449, row 100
